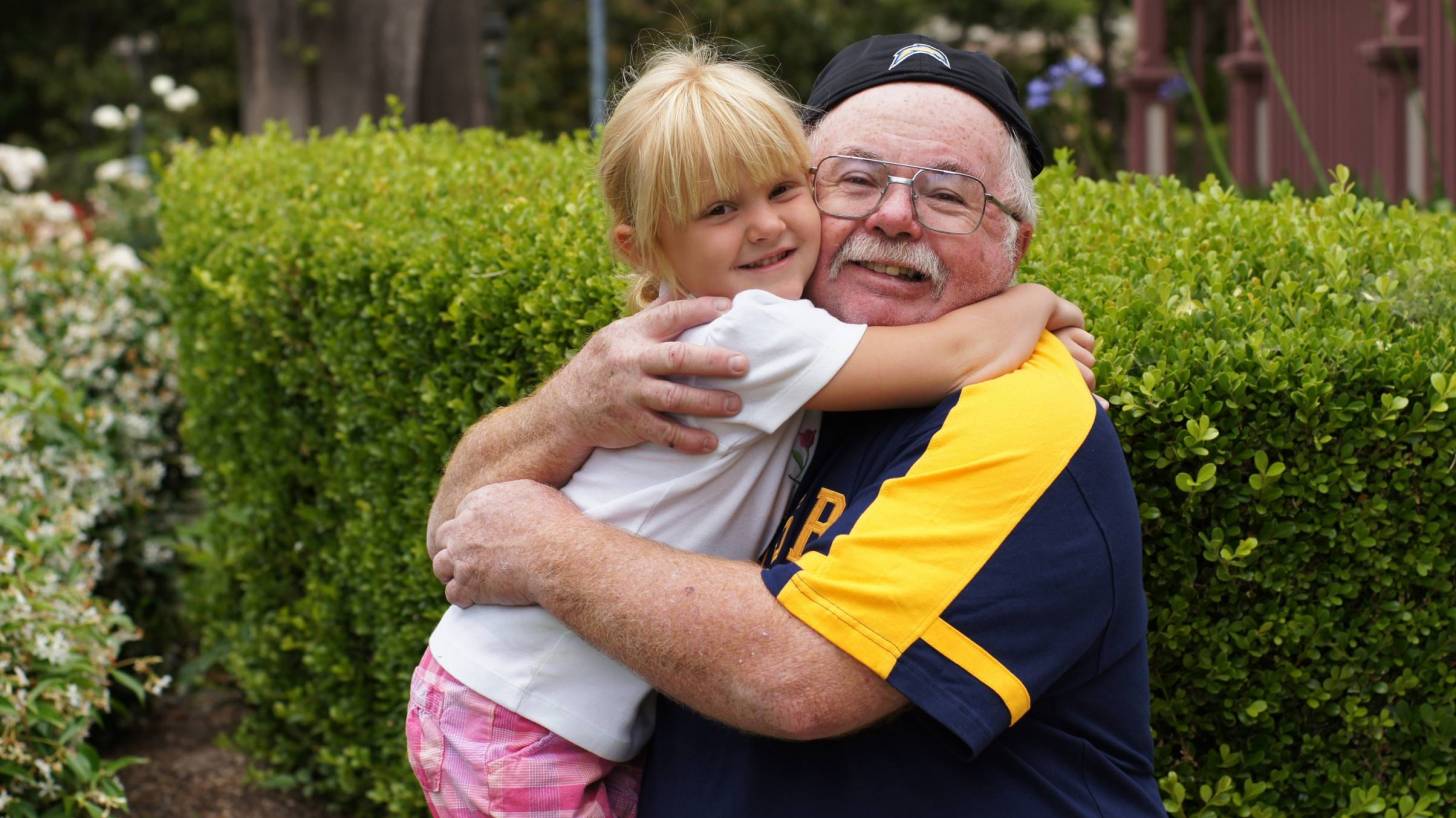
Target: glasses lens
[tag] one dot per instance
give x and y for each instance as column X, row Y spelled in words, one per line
column 946, row 202
column 849, row 188
column 949, row 202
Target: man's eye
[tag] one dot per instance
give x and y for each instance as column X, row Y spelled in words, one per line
column 858, row 179
column 946, row 196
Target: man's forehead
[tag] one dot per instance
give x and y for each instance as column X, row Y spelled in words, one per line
column 948, row 163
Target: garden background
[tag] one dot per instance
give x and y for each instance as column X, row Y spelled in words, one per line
column 232, row 366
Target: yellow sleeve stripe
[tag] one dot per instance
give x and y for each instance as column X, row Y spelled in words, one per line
column 928, row 533
column 960, row 649
column 836, row 624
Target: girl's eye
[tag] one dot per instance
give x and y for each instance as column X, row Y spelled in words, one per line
column 718, row 209
column 784, row 188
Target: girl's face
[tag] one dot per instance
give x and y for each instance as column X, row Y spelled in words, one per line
column 764, row 238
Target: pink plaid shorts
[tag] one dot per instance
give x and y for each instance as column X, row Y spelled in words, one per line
column 475, row 758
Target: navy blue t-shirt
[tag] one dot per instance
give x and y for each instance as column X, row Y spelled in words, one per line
column 984, row 557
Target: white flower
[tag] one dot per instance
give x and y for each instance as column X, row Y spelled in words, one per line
column 109, row 117
column 73, row 697
column 20, row 166
column 163, row 85
column 11, row 435
column 4, row 800
column 53, row 647
column 159, row 684
column 59, row 212
column 155, row 553
column 110, row 171
column 133, row 113
column 181, row 99
column 118, row 258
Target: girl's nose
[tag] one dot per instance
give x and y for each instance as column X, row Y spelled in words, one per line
column 765, row 223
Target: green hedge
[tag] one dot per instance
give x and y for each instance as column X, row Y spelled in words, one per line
column 1279, row 369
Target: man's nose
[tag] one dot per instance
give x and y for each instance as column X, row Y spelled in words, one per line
column 895, row 217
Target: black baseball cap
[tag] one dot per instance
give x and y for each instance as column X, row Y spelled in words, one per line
column 890, row 58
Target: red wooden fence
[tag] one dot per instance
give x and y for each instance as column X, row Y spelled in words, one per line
column 1372, row 81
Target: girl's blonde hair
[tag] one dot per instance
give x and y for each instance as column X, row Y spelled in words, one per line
column 688, row 131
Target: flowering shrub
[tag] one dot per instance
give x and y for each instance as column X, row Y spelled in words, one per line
column 85, row 411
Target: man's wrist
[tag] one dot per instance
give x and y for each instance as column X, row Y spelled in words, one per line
column 556, row 415
column 548, row 556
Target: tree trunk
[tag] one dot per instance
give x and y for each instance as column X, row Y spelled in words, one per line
column 326, row 65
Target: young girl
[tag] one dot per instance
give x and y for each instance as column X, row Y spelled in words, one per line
column 704, row 168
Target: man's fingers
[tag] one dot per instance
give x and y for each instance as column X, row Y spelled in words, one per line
column 455, row 594
column 669, row 433
column 671, row 396
column 669, row 320
column 444, row 566
column 678, row 358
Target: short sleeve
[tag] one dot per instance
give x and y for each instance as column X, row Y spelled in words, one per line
column 975, row 573
column 794, row 349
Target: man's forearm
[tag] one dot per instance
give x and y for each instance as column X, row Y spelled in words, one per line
column 706, row 632
column 517, row 442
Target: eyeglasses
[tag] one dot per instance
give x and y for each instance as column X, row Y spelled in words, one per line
column 944, row 201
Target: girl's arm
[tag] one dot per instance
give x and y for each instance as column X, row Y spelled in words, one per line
column 918, row 364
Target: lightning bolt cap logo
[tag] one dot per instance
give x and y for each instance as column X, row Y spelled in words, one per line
column 918, row 48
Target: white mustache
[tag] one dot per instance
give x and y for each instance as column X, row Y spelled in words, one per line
column 910, row 254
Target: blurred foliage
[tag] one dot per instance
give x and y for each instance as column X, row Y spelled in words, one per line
column 544, row 72
column 57, row 65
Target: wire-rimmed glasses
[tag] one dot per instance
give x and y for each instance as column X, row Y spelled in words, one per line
column 944, row 201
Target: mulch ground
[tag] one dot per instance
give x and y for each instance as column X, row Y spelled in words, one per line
column 189, row 775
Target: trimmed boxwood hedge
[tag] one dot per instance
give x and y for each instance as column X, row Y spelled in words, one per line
column 1281, row 372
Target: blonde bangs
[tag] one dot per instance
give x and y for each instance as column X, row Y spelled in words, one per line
column 690, row 131
column 712, row 143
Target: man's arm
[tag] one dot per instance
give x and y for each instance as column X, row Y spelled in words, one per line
column 702, row 630
column 611, row 395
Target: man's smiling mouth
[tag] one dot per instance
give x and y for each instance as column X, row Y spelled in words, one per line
column 904, row 273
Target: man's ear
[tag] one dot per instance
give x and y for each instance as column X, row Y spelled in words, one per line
column 1023, row 241
column 624, row 237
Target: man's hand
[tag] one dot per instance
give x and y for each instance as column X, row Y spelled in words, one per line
column 487, row 550
column 613, row 393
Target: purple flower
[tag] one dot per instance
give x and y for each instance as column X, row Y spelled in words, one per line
column 1092, row 77
column 1038, row 101
column 1175, row 87
column 1076, row 64
column 1039, row 88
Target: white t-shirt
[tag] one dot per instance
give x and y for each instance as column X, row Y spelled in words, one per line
column 725, row 503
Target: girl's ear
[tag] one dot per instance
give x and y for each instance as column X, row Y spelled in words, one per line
column 625, row 238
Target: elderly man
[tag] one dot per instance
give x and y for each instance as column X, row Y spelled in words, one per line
column 951, row 621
